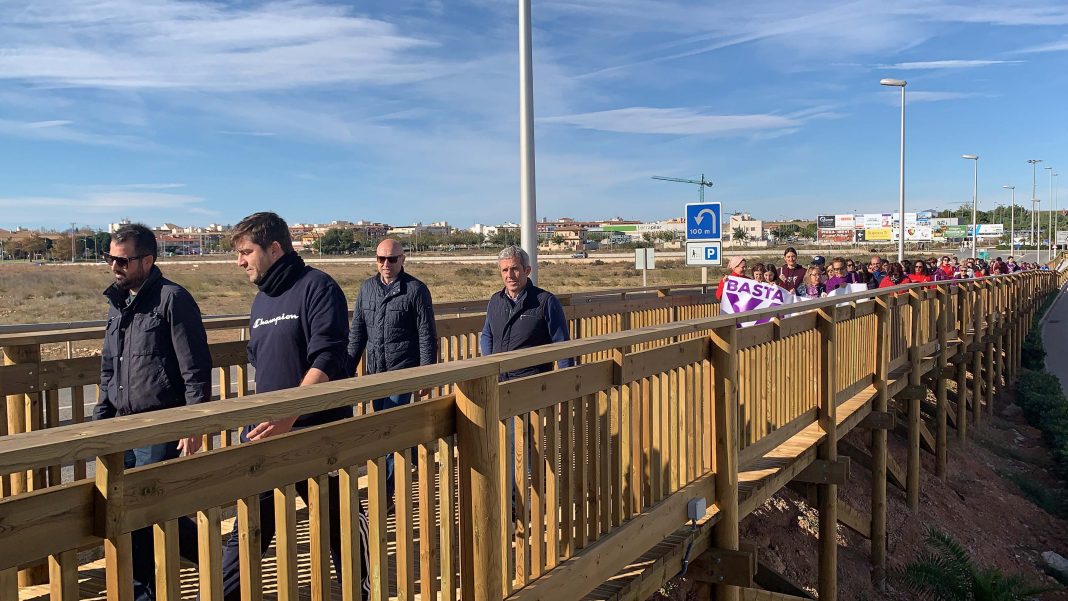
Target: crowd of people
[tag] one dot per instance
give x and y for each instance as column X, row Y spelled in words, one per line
column 156, row 355
column 820, row 279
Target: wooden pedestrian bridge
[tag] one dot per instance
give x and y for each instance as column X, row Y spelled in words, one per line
column 669, row 403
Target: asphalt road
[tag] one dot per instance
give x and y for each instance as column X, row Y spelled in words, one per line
column 1055, row 338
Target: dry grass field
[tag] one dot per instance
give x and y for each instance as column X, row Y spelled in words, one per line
column 62, row 293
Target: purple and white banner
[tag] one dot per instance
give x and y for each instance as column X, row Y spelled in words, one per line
column 742, row 294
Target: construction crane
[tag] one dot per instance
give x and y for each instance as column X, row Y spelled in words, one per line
column 703, row 183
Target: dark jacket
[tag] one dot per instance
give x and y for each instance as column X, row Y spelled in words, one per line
column 533, row 319
column 155, row 350
column 395, row 324
column 298, row 321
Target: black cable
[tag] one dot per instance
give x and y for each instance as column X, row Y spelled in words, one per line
column 689, row 547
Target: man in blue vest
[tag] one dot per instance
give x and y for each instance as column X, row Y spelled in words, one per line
column 522, row 315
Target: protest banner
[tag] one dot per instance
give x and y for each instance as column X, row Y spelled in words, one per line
column 741, row 295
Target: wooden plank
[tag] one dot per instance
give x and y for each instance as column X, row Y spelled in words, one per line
column 523, row 395
column 575, row 577
column 110, row 517
column 165, row 542
column 446, row 484
column 69, row 443
column 796, row 324
column 63, row 577
column 823, row 471
column 427, row 509
column 772, row 581
column 879, row 420
column 47, row 522
column 755, row 451
column 249, row 545
column 651, row 362
column 377, row 529
column 209, row 556
column 319, row 536
column 756, row 335
column 217, row 478
column 285, row 541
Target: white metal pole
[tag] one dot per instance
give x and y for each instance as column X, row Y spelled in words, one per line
column 901, row 183
column 528, row 213
column 1049, row 227
column 975, row 206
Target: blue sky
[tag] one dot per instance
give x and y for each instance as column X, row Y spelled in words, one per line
column 398, row 110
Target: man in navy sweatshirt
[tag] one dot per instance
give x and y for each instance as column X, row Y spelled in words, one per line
column 298, row 333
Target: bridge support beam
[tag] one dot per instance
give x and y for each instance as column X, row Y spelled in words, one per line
column 912, row 477
column 878, row 448
column 482, row 494
column 827, row 494
column 724, row 384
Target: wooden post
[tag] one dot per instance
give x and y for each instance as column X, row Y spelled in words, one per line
column 724, row 383
column 478, row 435
column 110, row 518
column 940, row 386
column 977, row 358
column 827, row 494
column 23, row 410
column 912, row 482
column 878, row 448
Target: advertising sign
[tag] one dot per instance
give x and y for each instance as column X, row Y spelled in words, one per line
column 990, row 229
column 916, row 233
column 942, row 221
column 825, row 222
column 843, row 222
column 955, row 232
column 839, row 236
column 872, row 221
column 878, row 234
column 742, row 294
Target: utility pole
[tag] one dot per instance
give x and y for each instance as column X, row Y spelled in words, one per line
column 74, row 233
column 1034, row 199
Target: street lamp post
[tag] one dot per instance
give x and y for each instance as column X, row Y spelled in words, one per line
column 1049, row 225
column 900, row 83
column 975, row 200
column 1034, row 200
column 527, row 194
column 1012, row 220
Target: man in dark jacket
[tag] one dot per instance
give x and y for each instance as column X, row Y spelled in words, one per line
column 155, row 356
column 522, row 315
column 393, row 320
column 298, row 329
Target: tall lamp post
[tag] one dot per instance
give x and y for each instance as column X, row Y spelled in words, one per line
column 1049, row 225
column 1012, row 220
column 527, row 198
column 1034, row 200
column 975, row 200
column 900, row 83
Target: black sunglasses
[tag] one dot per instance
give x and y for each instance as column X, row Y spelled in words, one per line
column 123, row 262
column 391, row 260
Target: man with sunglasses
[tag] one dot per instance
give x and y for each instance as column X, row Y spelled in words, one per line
column 393, row 321
column 155, row 356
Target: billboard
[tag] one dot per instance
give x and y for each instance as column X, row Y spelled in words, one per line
column 954, row 232
column 874, row 221
column 942, row 221
column 990, row 229
column 835, row 236
column 878, row 234
column 843, row 222
column 825, row 222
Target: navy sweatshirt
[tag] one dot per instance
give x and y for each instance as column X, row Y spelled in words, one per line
column 304, row 326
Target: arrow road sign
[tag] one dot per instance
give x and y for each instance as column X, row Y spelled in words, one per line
column 703, row 221
column 703, row 253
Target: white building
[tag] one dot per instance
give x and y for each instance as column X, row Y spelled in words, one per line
column 754, row 228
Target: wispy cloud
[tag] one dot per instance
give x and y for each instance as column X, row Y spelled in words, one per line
column 62, row 130
column 99, row 204
column 1058, row 46
column 167, row 44
column 945, row 64
column 675, row 121
column 924, row 96
column 254, row 134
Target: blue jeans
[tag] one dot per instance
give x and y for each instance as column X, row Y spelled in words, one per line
column 144, row 566
column 382, row 404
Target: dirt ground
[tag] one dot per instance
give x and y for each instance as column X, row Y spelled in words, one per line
column 977, row 505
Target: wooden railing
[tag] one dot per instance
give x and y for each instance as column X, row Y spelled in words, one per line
column 604, row 456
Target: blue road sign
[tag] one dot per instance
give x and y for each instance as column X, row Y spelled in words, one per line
column 703, row 221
